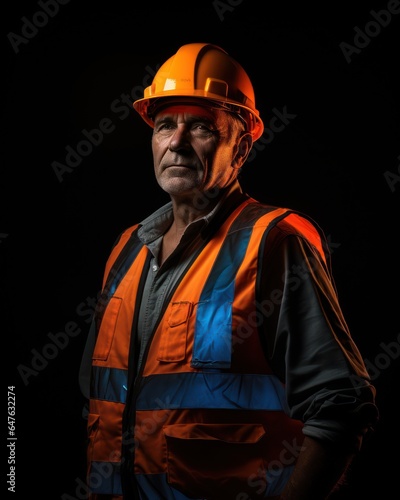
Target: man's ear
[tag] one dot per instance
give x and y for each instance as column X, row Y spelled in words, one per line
column 243, row 146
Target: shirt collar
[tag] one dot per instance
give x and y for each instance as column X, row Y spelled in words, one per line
column 155, row 225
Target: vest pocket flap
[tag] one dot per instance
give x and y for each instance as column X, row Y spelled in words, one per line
column 229, row 433
column 172, row 347
column 179, row 313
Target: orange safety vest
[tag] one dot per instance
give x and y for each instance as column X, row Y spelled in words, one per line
column 205, row 417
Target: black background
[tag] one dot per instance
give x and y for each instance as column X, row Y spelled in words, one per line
column 337, row 159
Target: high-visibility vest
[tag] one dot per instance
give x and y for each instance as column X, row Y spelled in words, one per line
column 205, row 416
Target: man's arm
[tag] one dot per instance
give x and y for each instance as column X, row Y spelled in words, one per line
column 318, row 471
column 311, row 350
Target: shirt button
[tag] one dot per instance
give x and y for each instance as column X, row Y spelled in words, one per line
column 155, row 268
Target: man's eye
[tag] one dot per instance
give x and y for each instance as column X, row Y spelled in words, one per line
column 201, row 128
column 165, row 126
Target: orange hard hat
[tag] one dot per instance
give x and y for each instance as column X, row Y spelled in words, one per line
column 203, row 71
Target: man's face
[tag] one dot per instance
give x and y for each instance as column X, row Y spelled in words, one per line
column 193, row 150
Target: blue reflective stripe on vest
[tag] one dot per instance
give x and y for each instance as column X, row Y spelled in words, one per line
column 105, row 478
column 211, row 390
column 109, row 384
column 213, row 330
column 156, row 485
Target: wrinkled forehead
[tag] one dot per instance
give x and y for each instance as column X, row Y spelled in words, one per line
column 197, row 110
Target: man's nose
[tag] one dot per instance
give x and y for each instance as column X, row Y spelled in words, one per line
column 180, row 139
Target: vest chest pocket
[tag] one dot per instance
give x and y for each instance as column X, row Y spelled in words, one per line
column 216, row 461
column 172, row 347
